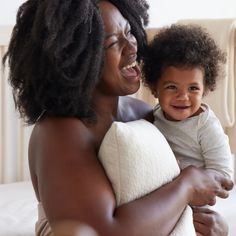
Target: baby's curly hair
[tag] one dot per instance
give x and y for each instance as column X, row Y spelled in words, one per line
column 186, row 46
column 56, row 54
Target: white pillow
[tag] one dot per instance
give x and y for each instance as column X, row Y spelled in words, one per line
column 137, row 160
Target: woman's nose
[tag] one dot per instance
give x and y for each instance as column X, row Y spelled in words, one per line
column 130, row 45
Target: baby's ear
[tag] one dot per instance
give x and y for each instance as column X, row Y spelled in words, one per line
column 154, row 91
column 206, row 91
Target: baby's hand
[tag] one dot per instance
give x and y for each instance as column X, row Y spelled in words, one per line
column 225, row 181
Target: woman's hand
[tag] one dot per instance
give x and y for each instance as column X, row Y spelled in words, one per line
column 224, row 181
column 209, row 223
column 205, row 185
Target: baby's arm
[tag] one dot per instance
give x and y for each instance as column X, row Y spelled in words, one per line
column 215, row 147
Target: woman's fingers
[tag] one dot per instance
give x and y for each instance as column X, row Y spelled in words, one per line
column 209, row 223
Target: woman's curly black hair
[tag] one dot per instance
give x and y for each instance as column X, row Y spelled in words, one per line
column 56, row 54
column 186, row 46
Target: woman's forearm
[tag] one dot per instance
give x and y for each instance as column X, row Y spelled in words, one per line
column 158, row 211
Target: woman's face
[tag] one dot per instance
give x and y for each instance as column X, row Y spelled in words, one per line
column 120, row 74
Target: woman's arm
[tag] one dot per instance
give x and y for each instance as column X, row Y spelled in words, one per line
column 72, row 185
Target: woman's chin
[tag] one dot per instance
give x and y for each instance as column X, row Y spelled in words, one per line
column 133, row 88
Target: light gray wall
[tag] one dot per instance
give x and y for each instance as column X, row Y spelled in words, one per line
column 162, row 12
column 8, row 9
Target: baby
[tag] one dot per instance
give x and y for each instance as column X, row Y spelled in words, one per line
column 181, row 65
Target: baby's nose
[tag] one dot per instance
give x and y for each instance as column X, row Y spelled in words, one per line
column 182, row 95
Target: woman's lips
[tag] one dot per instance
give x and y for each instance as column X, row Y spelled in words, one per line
column 131, row 73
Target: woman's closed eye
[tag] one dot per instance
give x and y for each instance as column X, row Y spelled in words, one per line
column 111, row 44
column 129, row 34
column 131, row 38
column 113, row 40
column 116, row 42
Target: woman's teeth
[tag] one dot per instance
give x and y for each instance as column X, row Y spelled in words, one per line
column 130, row 66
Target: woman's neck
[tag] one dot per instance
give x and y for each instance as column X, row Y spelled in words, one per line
column 106, row 107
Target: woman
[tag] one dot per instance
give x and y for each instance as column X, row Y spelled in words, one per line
column 72, row 63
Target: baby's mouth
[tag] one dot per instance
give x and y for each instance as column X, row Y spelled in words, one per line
column 180, row 107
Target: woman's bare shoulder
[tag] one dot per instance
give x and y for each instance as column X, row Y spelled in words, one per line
column 58, row 133
column 57, row 141
column 55, row 129
column 63, row 159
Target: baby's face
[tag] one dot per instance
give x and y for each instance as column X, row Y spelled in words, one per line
column 180, row 92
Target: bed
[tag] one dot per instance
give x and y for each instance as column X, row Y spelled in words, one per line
column 18, row 209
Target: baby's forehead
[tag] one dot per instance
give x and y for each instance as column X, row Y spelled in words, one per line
column 172, row 74
column 177, row 67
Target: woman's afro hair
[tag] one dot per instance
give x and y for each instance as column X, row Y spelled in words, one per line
column 56, row 54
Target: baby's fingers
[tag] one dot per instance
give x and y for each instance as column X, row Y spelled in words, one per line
column 222, row 193
column 227, row 184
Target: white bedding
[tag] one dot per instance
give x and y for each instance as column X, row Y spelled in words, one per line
column 227, row 208
column 18, row 209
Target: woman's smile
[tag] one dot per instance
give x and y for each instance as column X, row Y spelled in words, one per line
column 131, row 72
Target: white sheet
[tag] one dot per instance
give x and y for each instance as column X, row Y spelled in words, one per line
column 227, row 208
column 18, row 209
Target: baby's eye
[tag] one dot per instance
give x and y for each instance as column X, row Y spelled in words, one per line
column 194, row 88
column 171, row 87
